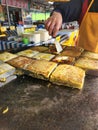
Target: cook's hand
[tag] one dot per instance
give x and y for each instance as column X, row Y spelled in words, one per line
column 54, row 23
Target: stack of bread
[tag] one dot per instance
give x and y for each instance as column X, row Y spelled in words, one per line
column 67, row 68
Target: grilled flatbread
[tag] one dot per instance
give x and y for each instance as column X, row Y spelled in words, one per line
column 87, row 64
column 28, row 53
column 44, row 56
column 41, row 69
column 64, row 59
column 5, row 56
column 52, row 49
column 72, row 51
column 68, row 75
column 20, row 62
column 91, row 55
column 39, row 48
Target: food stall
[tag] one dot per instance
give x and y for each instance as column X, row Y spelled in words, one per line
column 49, row 90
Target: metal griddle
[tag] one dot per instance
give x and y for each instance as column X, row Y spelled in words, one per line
column 38, row 105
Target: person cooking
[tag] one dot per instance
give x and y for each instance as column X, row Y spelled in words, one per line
column 86, row 12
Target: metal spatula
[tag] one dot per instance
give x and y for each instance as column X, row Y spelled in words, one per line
column 57, row 44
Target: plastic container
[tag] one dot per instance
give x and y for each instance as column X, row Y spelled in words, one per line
column 25, row 41
column 44, row 36
column 20, row 30
column 36, row 38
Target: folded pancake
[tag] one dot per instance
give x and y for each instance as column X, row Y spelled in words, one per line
column 64, row 59
column 68, row 75
column 5, row 56
column 91, row 55
column 28, row 53
column 20, row 62
column 72, row 51
column 43, row 56
column 41, row 69
column 87, row 63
